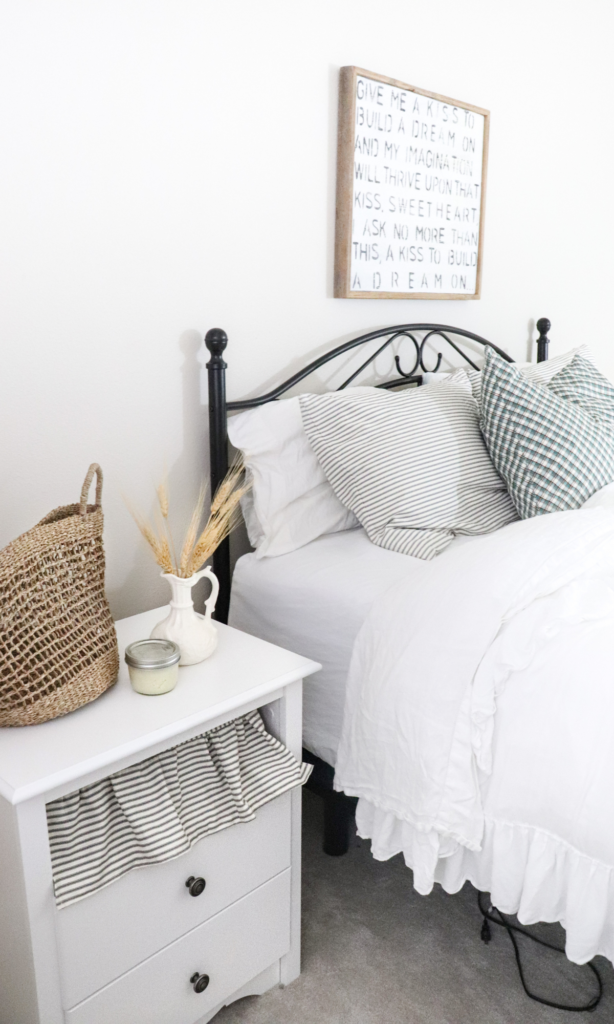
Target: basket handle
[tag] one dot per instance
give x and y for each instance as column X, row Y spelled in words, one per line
column 87, row 483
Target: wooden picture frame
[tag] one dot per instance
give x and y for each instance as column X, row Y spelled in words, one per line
column 424, row 159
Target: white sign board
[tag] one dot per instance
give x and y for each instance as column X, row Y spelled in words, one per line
column 410, row 192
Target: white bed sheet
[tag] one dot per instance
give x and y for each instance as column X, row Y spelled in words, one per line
column 313, row 601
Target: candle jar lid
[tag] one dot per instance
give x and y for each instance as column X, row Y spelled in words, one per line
column 152, row 654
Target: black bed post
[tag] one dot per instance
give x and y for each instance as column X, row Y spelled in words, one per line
column 543, row 326
column 216, row 341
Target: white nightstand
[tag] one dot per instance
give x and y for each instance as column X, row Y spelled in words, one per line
column 126, row 954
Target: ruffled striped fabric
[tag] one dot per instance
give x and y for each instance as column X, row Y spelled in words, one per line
column 157, row 809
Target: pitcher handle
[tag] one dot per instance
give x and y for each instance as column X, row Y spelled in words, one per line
column 215, row 589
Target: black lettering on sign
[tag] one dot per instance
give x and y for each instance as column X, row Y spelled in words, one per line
column 366, row 252
column 430, row 234
column 464, row 237
column 367, row 146
column 459, row 281
column 375, row 227
column 367, row 201
column 371, row 91
column 391, row 150
column 367, row 172
column 462, row 258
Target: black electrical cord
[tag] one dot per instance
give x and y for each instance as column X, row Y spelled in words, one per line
column 485, row 935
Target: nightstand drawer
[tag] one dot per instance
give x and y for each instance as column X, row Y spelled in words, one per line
column 232, row 948
column 104, row 935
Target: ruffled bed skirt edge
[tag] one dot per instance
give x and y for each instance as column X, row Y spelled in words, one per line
column 527, row 872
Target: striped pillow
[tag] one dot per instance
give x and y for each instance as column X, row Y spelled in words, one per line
column 412, row 466
column 553, row 445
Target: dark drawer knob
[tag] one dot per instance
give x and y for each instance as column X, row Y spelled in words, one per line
column 195, row 885
column 199, row 981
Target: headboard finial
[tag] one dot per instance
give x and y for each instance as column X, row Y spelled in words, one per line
column 543, row 326
column 216, row 341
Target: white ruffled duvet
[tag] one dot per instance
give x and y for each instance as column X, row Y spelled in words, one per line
column 479, row 723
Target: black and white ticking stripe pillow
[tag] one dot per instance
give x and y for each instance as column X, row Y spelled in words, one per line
column 411, row 465
column 553, row 444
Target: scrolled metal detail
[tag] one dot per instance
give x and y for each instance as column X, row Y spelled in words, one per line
column 397, row 358
column 439, row 333
column 389, row 341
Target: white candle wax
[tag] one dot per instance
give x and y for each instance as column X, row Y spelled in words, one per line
column 152, row 681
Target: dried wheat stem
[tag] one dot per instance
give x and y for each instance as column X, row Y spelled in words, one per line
column 191, row 534
column 220, row 525
column 197, row 548
column 158, row 545
column 162, row 492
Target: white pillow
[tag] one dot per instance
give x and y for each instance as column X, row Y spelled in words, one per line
column 412, row 465
column 291, row 502
column 539, row 373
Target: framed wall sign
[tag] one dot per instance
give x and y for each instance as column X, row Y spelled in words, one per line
column 411, row 185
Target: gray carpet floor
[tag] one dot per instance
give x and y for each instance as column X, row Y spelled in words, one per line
column 374, row 952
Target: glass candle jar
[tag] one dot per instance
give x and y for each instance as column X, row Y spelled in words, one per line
column 153, row 665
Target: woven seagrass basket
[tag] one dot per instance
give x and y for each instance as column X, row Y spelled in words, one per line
column 58, row 648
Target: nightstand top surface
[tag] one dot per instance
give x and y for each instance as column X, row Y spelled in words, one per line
column 37, row 759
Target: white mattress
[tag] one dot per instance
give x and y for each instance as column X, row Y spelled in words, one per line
column 313, row 601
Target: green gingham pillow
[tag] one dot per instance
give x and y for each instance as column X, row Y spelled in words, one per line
column 553, row 445
column 581, row 383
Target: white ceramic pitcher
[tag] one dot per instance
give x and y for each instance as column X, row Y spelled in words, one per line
column 195, row 634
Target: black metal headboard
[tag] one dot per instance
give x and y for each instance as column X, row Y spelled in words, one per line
column 216, row 341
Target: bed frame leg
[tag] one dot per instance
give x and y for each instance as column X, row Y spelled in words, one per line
column 338, row 818
column 338, row 808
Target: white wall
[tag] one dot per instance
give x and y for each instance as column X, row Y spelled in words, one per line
column 168, row 166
